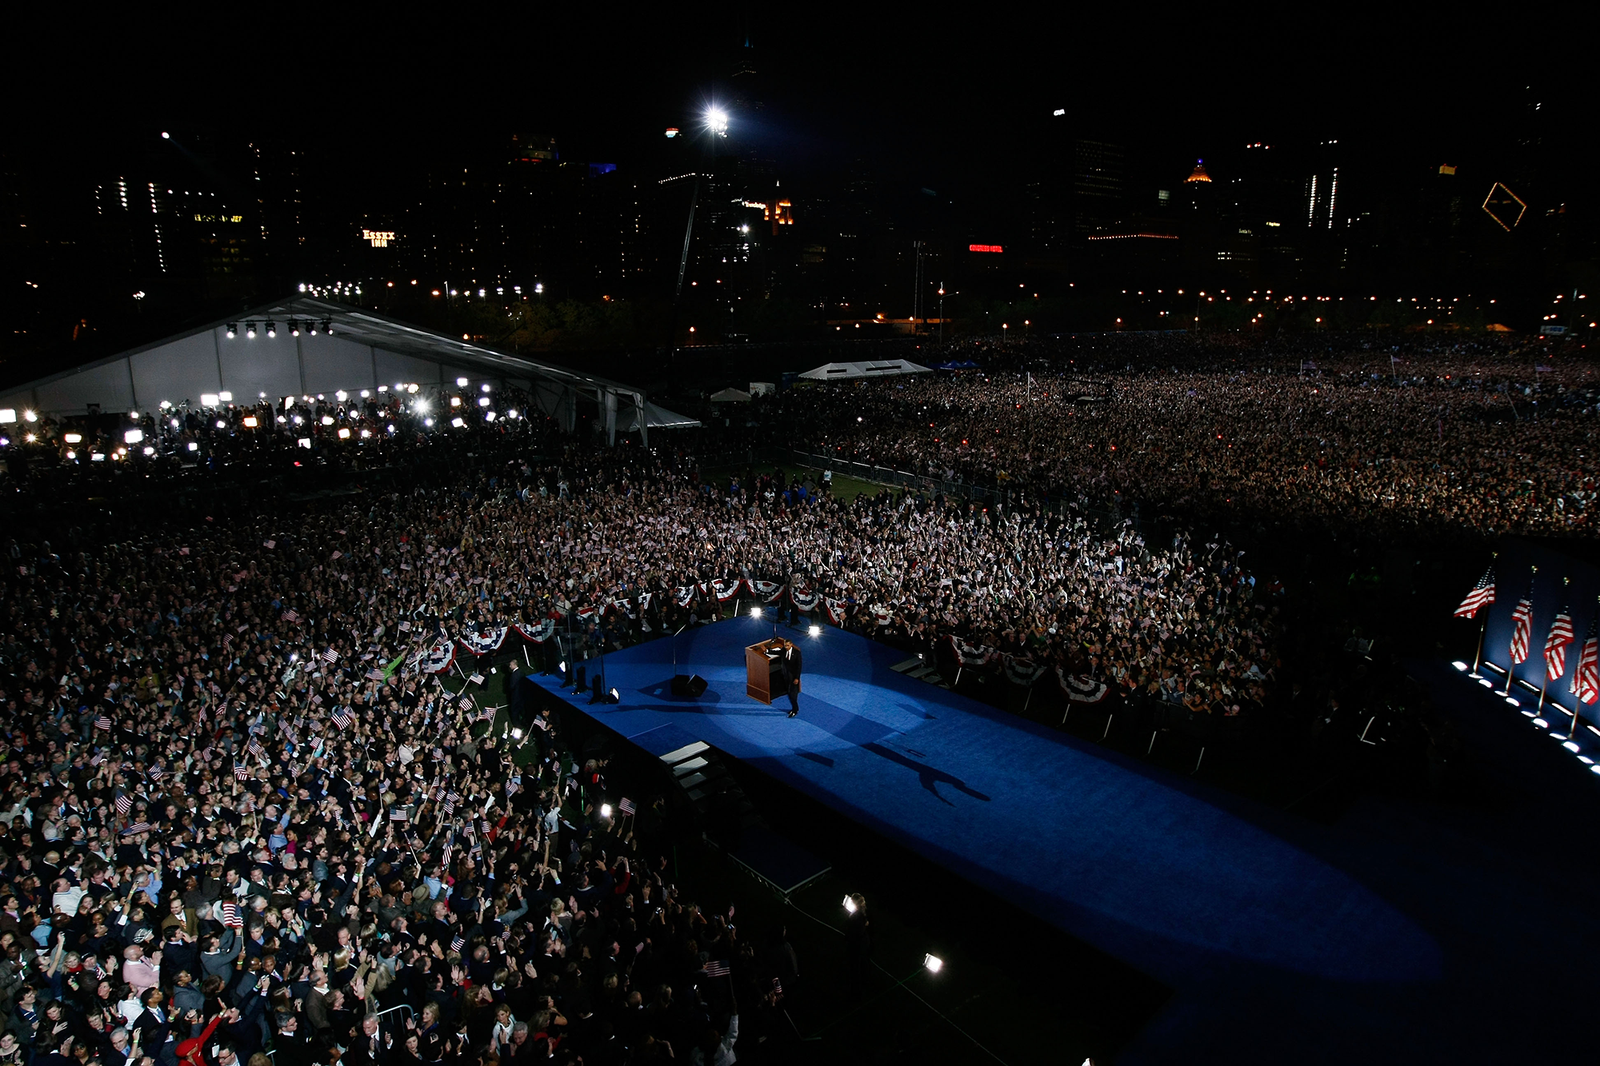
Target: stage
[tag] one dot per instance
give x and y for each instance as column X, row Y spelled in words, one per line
column 1285, row 940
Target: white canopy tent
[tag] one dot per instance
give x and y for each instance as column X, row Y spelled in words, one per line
column 884, row 368
column 730, row 395
column 358, row 349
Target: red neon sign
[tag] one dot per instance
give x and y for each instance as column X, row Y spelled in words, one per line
column 984, row 248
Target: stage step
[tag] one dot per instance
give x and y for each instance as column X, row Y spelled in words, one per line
column 921, row 672
column 688, row 766
column 685, row 752
column 692, row 780
column 908, row 664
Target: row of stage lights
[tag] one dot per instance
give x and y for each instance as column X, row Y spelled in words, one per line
column 271, row 328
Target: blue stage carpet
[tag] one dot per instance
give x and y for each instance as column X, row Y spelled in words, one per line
column 1286, row 941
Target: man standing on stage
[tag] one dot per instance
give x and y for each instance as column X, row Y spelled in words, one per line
column 789, row 666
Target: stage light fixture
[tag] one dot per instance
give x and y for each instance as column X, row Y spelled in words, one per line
column 755, row 612
column 249, row 329
column 272, row 328
column 815, row 631
column 849, row 905
column 327, row 326
column 933, row 963
column 616, row 697
column 232, row 329
column 72, row 438
column 294, row 328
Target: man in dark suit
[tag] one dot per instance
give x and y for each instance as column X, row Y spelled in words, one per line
column 789, row 665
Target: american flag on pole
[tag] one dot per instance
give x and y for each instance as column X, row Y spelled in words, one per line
column 374, row 674
column 341, row 718
column 232, row 917
column 136, row 827
column 1586, row 678
column 458, row 943
column 717, row 969
column 103, row 722
column 330, row 655
column 290, row 616
column 1482, row 595
column 1555, row 646
column 625, row 806
column 1521, row 628
column 450, row 802
column 124, row 803
column 241, row 771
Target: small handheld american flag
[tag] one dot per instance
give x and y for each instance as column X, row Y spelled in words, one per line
column 717, row 969
column 625, row 806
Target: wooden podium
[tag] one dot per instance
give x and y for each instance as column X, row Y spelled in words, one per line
column 761, row 664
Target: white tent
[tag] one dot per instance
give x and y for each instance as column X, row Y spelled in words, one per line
column 351, row 349
column 730, row 395
column 885, row 368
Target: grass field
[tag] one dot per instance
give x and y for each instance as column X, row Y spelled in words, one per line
column 846, row 488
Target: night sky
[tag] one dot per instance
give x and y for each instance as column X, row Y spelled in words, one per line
column 929, row 100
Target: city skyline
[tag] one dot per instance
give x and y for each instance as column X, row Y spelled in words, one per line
column 1330, row 167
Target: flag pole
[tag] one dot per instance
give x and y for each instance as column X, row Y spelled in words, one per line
column 1510, row 664
column 1577, row 700
column 1483, row 627
column 1544, row 684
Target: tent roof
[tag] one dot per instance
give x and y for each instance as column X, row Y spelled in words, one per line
column 882, row 368
column 364, row 350
column 657, row 417
column 730, row 395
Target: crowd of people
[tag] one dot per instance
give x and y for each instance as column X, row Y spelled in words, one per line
column 237, row 816
column 1427, row 436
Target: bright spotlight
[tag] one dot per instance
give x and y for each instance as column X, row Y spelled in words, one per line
column 717, row 121
column 605, row 810
column 849, row 905
column 461, row 382
column 755, row 612
column 815, row 631
column 933, row 963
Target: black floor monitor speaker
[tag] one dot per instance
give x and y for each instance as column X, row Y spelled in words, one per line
column 690, row 685
column 580, row 683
